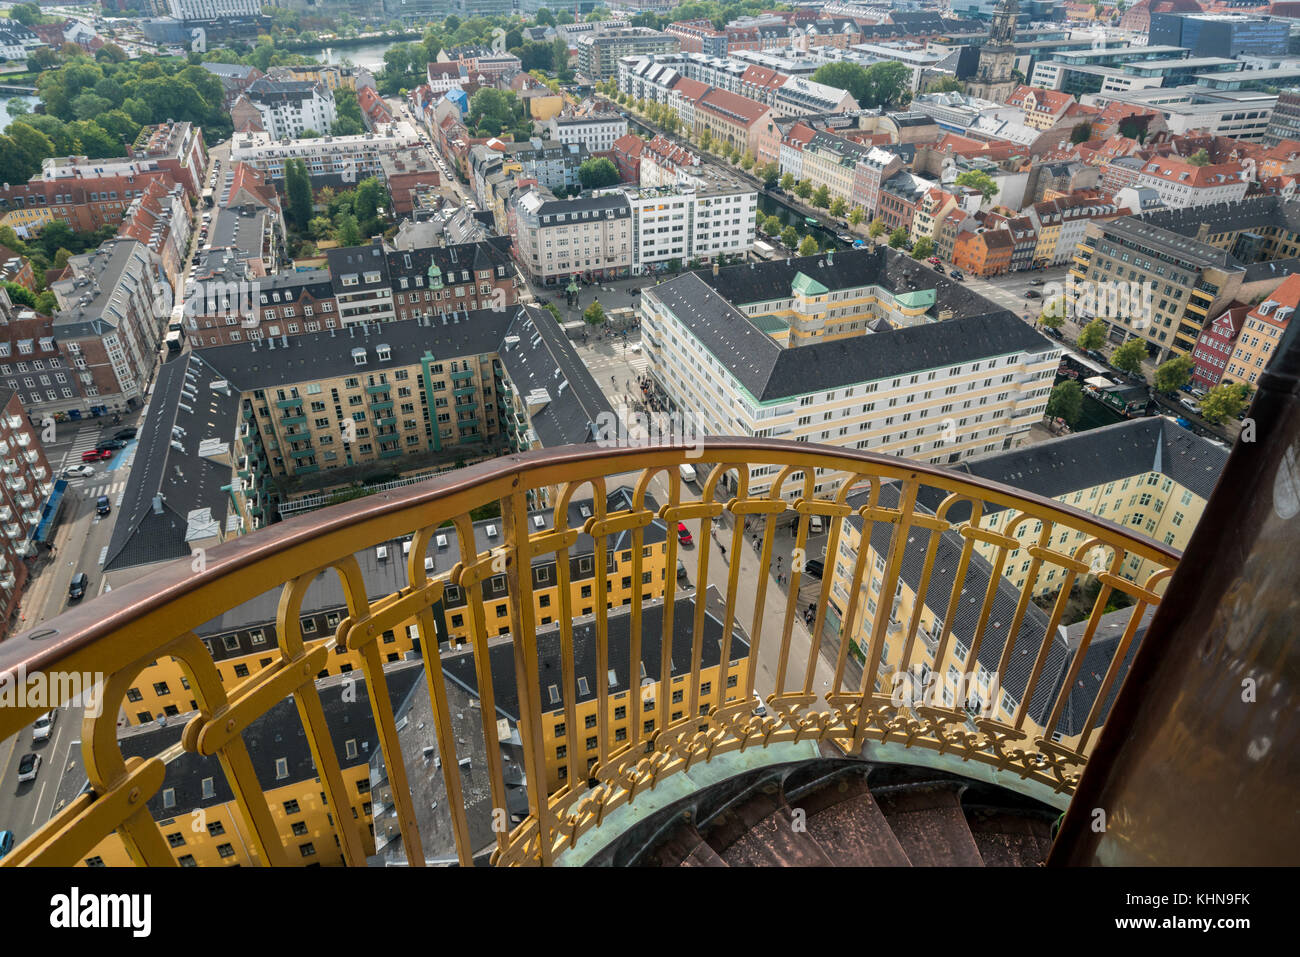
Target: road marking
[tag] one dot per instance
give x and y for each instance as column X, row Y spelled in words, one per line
column 37, row 811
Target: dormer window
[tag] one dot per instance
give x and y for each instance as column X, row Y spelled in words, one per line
column 383, row 352
column 359, row 356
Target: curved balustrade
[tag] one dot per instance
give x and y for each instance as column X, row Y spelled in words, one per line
column 871, row 497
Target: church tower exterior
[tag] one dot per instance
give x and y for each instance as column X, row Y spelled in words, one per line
column 993, row 80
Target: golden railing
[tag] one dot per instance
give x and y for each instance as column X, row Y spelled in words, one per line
column 123, row 631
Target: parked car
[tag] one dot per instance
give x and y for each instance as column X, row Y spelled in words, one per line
column 6, row 842
column 102, row 507
column 111, row 445
column 1198, row 393
column 933, row 260
column 77, row 590
column 1033, row 294
column 939, row 269
column 815, row 568
column 44, row 726
column 1191, row 405
column 125, row 433
column 28, row 767
column 957, row 274
column 1054, row 332
column 687, row 472
column 684, row 534
column 681, row 572
column 1035, row 282
column 78, row 471
column 760, row 708
column 96, row 455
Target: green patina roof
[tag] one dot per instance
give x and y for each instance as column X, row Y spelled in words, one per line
column 769, row 324
column 920, row 299
column 805, row 285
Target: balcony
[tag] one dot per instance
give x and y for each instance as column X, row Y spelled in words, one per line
column 302, row 453
column 380, row 389
column 462, row 374
column 288, row 403
column 818, row 696
column 293, row 420
column 385, row 404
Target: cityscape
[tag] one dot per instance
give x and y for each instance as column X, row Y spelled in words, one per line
column 920, row 372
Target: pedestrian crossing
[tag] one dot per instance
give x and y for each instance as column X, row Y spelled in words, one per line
column 86, row 439
column 97, row 485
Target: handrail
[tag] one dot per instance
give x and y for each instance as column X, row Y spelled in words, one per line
column 122, row 631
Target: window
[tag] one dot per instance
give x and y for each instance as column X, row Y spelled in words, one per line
column 216, row 829
column 281, row 768
column 307, row 850
column 291, row 807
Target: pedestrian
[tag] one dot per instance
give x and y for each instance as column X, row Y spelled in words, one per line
column 723, row 549
column 778, row 561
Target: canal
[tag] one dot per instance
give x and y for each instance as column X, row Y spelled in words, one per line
column 768, row 204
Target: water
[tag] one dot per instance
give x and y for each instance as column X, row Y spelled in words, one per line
column 5, row 118
column 369, row 55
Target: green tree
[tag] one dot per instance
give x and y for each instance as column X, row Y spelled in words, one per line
column 748, row 160
column 1051, row 319
column 544, row 18
column 898, row 238
column 787, row 182
column 838, row 206
column 594, row 314
column 598, row 172
column 822, row 197
column 347, row 230
column 1199, row 158
column 772, row 225
column 1081, row 133
column 1092, row 335
column 876, row 228
column 1173, row 374
column 706, row 140
column 46, row 303
column 808, row 247
column 923, row 248
column 769, row 173
column 979, row 181
column 297, row 190
column 1224, row 401
column 803, row 189
column 856, row 216
column 948, row 84
column 882, row 85
column 1128, row 357
column 789, row 237
column 1065, row 402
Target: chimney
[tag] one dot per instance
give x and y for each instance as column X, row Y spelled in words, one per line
column 715, row 267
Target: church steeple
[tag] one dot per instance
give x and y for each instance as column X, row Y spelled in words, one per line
column 1003, row 32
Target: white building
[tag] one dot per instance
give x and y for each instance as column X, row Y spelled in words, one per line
column 711, row 216
column 213, row 9
column 17, row 41
column 1179, row 183
column 291, row 107
column 556, row 239
column 806, row 349
column 353, row 158
column 1240, row 114
column 596, row 131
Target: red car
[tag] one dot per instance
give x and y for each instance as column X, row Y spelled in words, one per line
column 684, row 534
column 933, row 260
column 96, row 455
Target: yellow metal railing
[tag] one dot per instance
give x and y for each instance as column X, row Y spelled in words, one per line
column 123, row 631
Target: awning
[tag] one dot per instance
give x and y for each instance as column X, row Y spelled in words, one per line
column 50, row 512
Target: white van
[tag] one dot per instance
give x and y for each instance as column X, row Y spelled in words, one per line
column 687, row 473
column 816, row 525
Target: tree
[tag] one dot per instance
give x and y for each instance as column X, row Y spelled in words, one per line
column 772, row 225
column 1092, row 335
column 42, row 59
column 1051, row 319
column 876, row 228
column 769, row 173
column 348, row 233
column 838, row 206
column 309, row 134
column 979, row 181
column 297, row 189
column 885, row 85
column 856, row 216
column 808, row 247
column 594, row 314
column 1128, row 357
column 1081, row 133
column 748, row 160
column 1224, row 401
column 789, row 237
column 822, row 198
column 1066, row 402
column 898, row 238
column 597, row 172
column 1173, row 374
column 543, row 17
column 924, row 248
column 803, row 189
column 948, row 84
column 787, row 181
column 1199, row 158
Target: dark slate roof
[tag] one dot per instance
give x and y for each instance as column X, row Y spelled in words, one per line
column 974, row 586
column 236, row 232
column 771, row 372
column 358, row 260
column 475, row 257
column 276, row 734
column 461, row 667
column 324, row 354
column 386, row 577
column 294, row 284
column 185, row 480
column 543, row 358
column 1108, row 454
column 1096, row 661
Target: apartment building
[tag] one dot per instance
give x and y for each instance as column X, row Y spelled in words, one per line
column 797, row 95
column 734, row 121
column 1198, row 260
column 1149, row 475
column 32, row 363
column 213, row 9
column 1060, row 225
column 330, row 160
column 161, row 219
column 832, row 161
column 362, row 284
column 555, row 239
column 437, row 280
column 856, row 349
column 1214, row 346
column 1180, row 183
column 27, row 508
column 698, row 36
column 709, row 215
column 599, row 52
column 478, row 61
column 595, row 131
column 109, row 322
column 1261, row 333
column 288, row 108
column 282, row 304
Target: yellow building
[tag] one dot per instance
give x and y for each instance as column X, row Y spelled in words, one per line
column 1261, row 333
column 30, row 218
column 199, row 815
column 243, row 641
column 635, row 710
column 930, row 213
